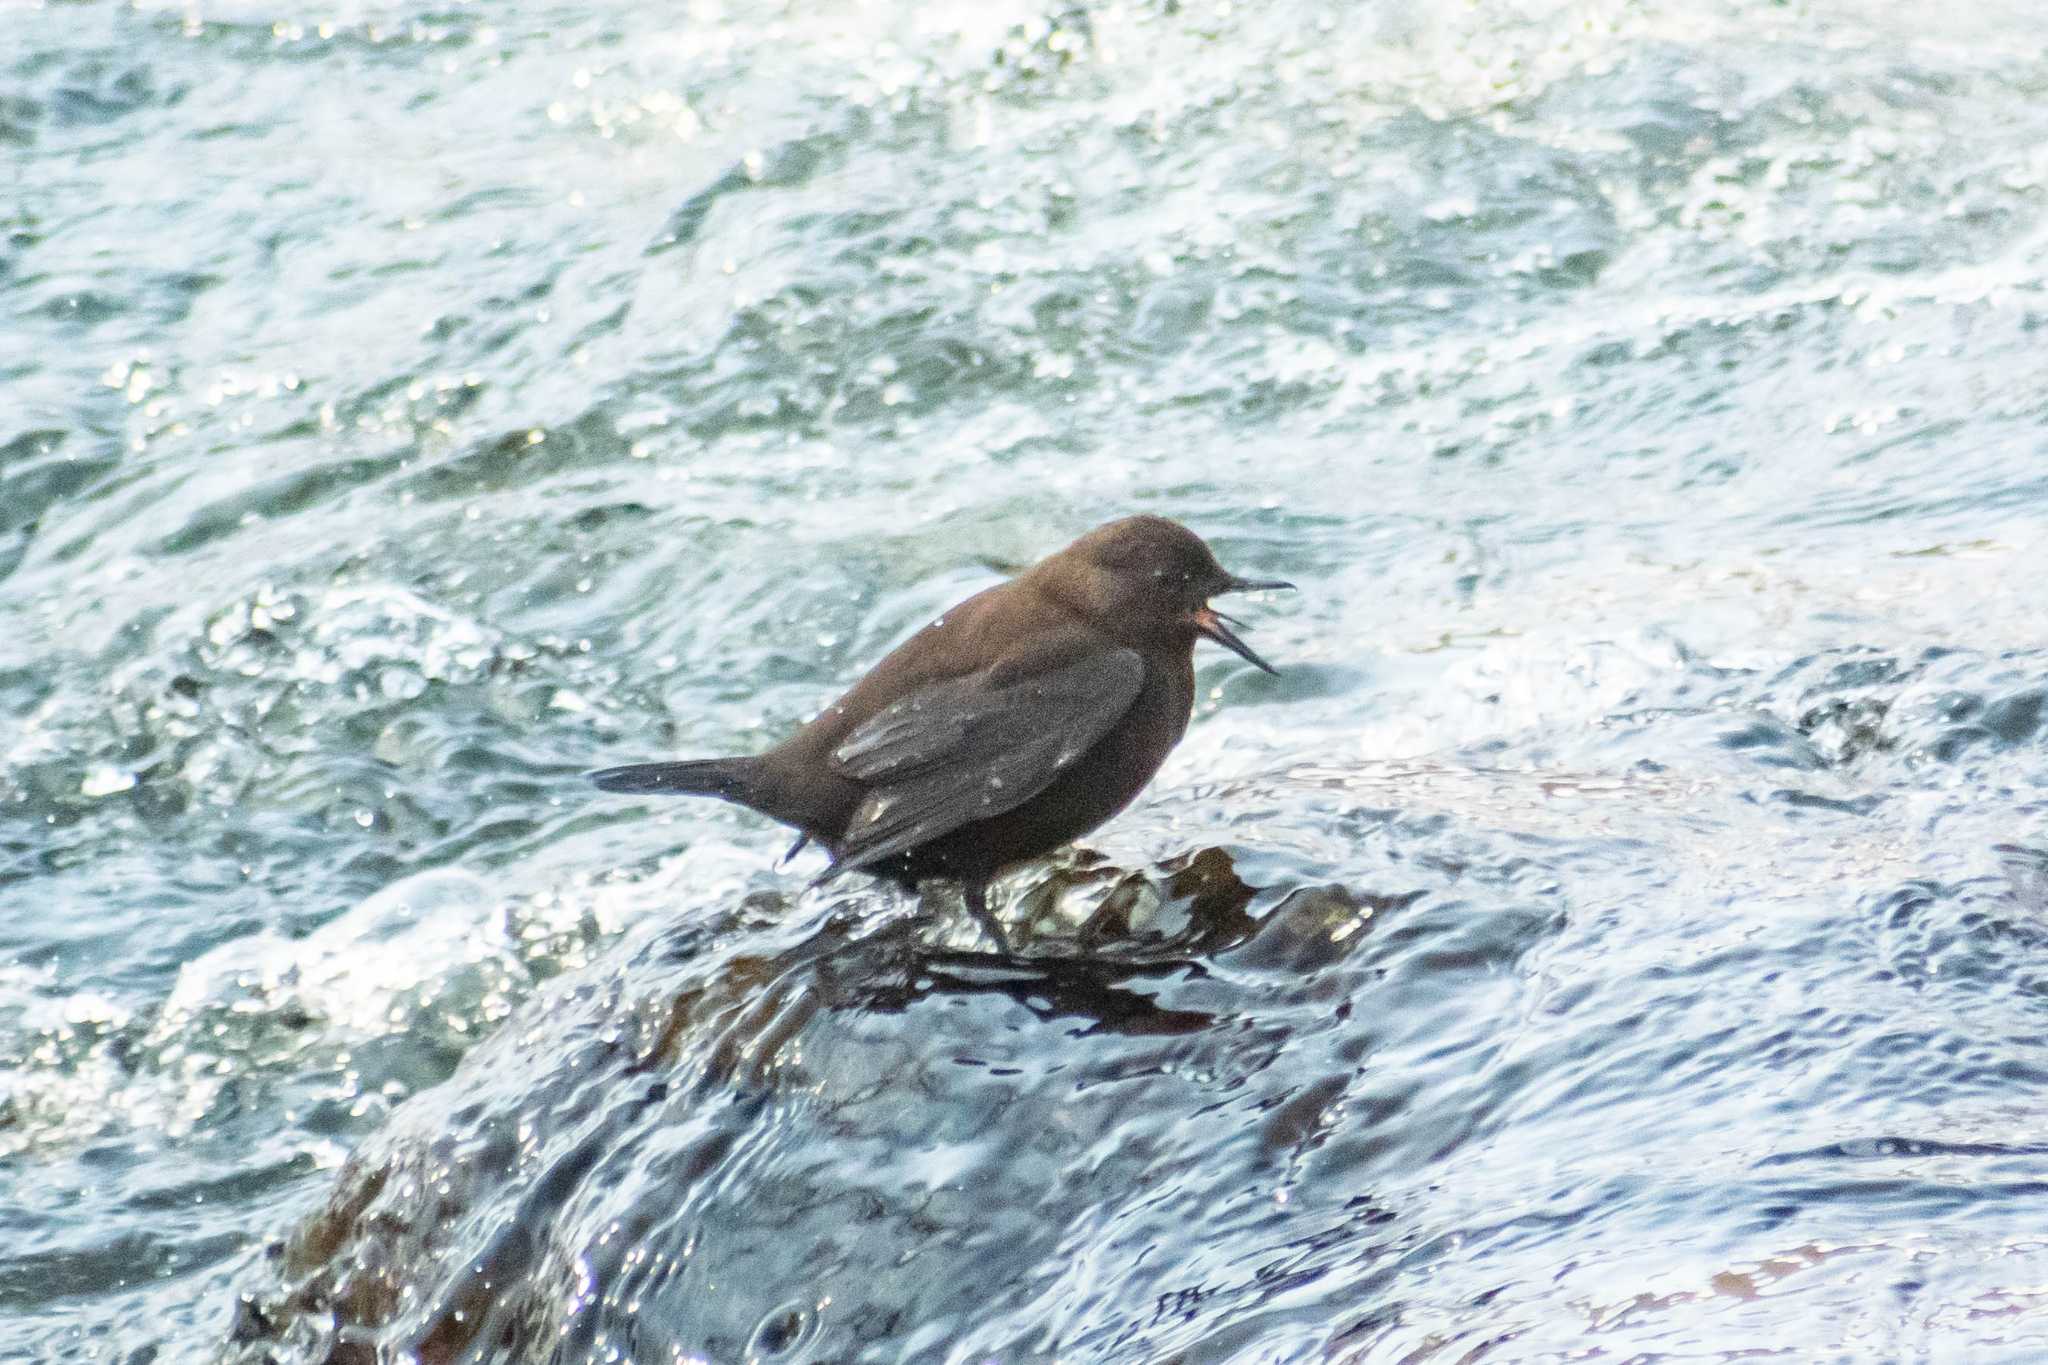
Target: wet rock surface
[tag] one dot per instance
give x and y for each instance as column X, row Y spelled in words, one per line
column 1443, row 1038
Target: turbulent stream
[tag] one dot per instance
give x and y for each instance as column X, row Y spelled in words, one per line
column 1621, row 932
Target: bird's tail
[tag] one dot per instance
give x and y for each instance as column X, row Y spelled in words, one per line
column 729, row 778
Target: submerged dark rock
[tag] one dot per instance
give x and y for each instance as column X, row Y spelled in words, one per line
column 1243, row 1104
column 662, row 1150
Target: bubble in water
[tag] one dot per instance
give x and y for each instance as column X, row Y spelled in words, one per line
column 781, row 1332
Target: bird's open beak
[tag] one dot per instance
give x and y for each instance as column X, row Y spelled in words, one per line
column 1208, row 623
column 1217, row 626
column 1211, row 623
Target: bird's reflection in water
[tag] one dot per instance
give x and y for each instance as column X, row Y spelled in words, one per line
column 1049, row 987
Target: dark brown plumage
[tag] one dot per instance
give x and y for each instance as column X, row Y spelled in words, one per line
column 1016, row 722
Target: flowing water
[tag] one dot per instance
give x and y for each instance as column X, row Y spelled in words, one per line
column 1621, row 933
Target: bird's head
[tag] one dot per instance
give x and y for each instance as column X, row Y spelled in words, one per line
column 1147, row 581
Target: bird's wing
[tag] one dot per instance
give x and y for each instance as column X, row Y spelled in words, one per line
column 968, row 749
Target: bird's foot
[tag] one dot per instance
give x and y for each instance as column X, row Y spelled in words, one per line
column 977, row 906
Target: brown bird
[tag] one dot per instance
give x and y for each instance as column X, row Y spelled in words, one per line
column 1018, row 721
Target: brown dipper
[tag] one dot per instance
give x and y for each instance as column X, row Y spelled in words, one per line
column 1019, row 720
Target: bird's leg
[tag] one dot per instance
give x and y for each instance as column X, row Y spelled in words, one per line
column 794, row 849
column 977, row 906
